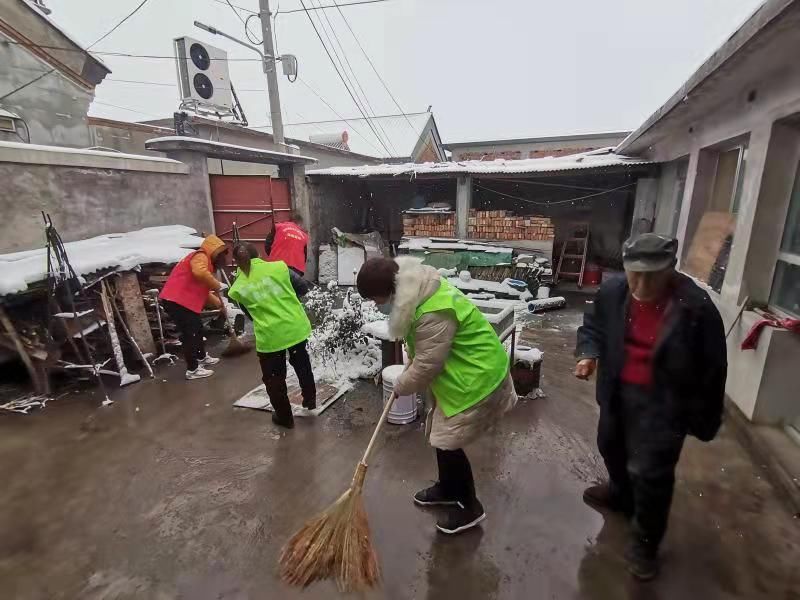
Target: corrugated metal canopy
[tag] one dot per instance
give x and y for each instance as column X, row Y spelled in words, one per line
column 604, row 158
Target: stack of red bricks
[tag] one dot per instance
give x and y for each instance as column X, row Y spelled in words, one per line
column 429, row 225
column 504, row 225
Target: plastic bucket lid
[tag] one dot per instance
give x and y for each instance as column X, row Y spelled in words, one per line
column 391, row 373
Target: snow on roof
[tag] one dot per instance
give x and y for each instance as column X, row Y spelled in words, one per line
column 403, row 133
column 124, row 251
column 586, row 160
column 182, row 138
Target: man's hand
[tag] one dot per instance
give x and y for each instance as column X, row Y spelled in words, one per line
column 585, row 368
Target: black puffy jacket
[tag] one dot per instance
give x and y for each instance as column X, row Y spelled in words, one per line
column 690, row 362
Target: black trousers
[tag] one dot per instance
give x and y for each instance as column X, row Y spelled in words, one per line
column 190, row 328
column 455, row 476
column 273, row 370
column 640, row 440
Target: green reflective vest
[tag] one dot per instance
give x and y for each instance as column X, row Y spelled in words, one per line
column 477, row 363
column 279, row 320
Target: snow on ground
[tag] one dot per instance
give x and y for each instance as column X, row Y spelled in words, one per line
column 124, row 251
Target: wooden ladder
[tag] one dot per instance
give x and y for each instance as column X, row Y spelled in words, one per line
column 573, row 253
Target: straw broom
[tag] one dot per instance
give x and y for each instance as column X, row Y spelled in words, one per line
column 336, row 543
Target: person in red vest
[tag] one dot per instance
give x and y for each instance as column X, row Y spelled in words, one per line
column 288, row 242
column 189, row 288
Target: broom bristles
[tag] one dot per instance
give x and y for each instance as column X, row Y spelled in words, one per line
column 334, row 544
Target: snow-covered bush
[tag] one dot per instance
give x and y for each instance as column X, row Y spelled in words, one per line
column 338, row 347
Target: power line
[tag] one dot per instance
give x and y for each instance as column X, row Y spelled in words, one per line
column 360, row 104
column 244, row 21
column 126, row 108
column 172, row 85
column 333, row 110
column 371, row 64
column 24, row 85
column 352, row 119
column 297, row 10
column 571, row 200
column 118, row 25
column 236, row 6
column 342, row 78
column 288, row 12
column 544, row 184
column 365, row 99
column 52, row 70
column 118, row 54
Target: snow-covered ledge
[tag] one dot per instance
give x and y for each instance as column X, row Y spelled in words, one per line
column 32, row 154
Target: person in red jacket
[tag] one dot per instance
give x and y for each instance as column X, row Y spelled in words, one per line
column 288, row 242
column 189, row 288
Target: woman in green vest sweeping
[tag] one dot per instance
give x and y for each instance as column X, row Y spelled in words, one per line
column 269, row 293
column 456, row 355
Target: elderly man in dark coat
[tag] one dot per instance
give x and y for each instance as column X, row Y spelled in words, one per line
column 657, row 343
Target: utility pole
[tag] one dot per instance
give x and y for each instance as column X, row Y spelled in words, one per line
column 270, row 68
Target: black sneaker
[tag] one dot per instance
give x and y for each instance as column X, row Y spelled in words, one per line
column 433, row 496
column 310, row 405
column 460, row 518
column 601, row 496
column 280, row 422
column 642, row 560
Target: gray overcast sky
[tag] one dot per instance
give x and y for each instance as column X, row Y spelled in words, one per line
column 508, row 68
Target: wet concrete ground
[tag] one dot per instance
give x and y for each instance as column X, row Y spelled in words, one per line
column 171, row 493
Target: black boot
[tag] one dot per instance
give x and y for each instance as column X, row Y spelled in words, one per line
column 434, row 496
column 642, row 559
column 460, row 518
column 283, row 420
column 602, row 496
column 309, row 399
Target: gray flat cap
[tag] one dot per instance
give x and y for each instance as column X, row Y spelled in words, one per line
column 649, row 252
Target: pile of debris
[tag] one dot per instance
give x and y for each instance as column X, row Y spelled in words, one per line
column 87, row 309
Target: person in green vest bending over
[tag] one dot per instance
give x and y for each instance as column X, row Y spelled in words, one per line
column 269, row 294
column 456, row 355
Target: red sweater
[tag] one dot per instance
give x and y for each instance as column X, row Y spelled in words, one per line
column 645, row 321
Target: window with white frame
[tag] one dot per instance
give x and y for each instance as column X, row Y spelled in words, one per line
column 785, row 294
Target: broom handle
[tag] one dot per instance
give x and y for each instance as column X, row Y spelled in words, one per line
column 378, row 428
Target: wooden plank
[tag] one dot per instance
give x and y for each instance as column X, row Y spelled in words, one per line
column 130, row 296
column 707, row 243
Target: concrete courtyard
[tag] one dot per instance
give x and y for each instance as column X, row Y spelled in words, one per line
column 171, row 493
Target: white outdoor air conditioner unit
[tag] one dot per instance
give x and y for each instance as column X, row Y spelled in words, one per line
column 203, row 76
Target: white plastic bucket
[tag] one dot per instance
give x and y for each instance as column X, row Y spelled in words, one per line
column 404, row 409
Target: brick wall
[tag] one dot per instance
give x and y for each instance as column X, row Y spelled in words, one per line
column 504, row 225
column 431, row 225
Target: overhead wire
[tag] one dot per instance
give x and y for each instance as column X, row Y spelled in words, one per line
column 141, row 112
column 118, row 25
column 375, row 70
column 244, row 21
column 555, row 202
column 345, row 5
column 52, row 70
column 544, row 184
column 365, row 99
column 117, row 54
column 349, row 91
column 333, row 110
column 297, row 10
